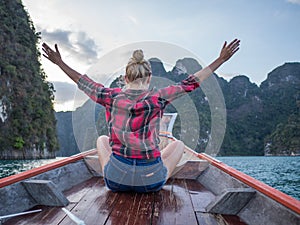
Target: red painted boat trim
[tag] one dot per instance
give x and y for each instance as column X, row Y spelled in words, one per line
column 273, row 193
column 36, row 171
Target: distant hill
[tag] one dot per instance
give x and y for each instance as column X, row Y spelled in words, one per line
column 260, row 119
column 27, row 122
column 281, row 97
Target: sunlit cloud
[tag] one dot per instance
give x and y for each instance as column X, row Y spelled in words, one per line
column 78, row 44
column 294, row 1
column 64, row 91
column 66, row 96
column 133, row 20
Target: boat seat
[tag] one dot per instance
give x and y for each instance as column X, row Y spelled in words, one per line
column 190, row 169
column 231, row 201
column 45, row 192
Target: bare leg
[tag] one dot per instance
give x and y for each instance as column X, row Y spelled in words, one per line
column 104, row 150
column 171, row 155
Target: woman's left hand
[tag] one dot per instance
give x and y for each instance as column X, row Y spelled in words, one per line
column 53, row 56
column 229, row 50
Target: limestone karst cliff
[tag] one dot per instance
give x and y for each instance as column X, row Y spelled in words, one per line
column 27, row 122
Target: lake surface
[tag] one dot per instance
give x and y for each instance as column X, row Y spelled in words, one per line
column 11, row 167
column 282, row 173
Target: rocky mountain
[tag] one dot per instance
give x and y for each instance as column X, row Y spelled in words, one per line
column 27, row 122
column 78, row 130
column 281, row 97
column 258, row 117
column 254, row 113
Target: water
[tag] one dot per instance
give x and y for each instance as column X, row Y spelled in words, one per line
column 11, row 167
column 282, row 173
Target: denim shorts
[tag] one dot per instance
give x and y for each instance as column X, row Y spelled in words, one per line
column 139, row 175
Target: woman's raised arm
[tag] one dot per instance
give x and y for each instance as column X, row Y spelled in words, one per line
column 226, row 53
column 55, row 57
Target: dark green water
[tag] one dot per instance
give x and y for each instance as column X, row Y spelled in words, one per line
column 282, row 173
column 11, row 167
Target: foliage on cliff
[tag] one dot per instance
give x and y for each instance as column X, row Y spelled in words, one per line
column 285, row 140
column 27, row 119
column 281, row 94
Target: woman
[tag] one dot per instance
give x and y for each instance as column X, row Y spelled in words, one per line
column 130, row 157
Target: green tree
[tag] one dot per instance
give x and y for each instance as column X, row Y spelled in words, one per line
column 27, row 122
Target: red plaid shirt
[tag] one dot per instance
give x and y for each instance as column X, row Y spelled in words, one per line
column 133, row 116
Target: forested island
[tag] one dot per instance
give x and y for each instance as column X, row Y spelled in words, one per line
column 27, row 121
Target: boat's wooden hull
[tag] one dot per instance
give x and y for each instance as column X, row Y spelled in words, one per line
column 213, row 193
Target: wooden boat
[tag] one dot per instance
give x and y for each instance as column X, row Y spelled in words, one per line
column 201, row 191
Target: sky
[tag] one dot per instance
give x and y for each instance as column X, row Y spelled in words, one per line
column 87, row 31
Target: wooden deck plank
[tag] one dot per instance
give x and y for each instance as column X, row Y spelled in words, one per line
column 200, row 196
column 95, row 207
column 122, row 209
column 143, row 209
column 218, row 219
column 54, row 215
column 75, row 194
column 172, row 205
column 48, row 216
column 95, row 204
column 233, row 220
column 132, row 209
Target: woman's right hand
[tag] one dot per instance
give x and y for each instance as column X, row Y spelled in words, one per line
column 53, row 56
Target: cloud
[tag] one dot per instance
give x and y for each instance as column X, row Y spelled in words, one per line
column 64, row 91
column 294, row 1
column 78, row 44
column 133, row 20
column 67, row 96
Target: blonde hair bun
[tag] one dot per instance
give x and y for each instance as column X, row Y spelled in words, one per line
column 137, row 68
column 138, row 56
